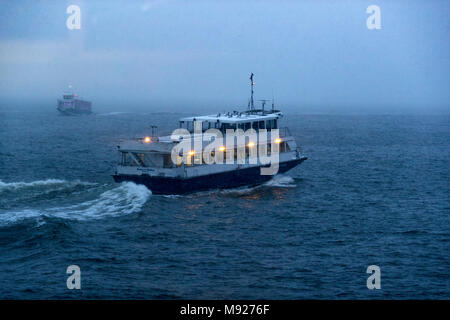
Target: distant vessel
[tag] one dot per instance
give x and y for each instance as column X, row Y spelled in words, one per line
column 71, row 105
column 157, row 163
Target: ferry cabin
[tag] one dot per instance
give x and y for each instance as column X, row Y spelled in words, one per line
column 153, row 155
column 257, row 120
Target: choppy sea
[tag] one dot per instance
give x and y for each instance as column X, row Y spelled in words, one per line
column 374, row 191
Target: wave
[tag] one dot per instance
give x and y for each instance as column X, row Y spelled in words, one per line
column 125, row 199
column 11, row 186
column 239, row 190
column 18, row 185
column 115, row 113
column 171, row 196
column 277, row 181
column 281, row 181
column 21, row 194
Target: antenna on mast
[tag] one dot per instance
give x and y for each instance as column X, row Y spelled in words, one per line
column 263, row 103
column 251, row 97
column 273, row 102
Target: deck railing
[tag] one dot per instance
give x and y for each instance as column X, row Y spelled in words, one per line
column 283, row 132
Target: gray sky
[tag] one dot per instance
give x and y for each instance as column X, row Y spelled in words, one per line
column 315, row 56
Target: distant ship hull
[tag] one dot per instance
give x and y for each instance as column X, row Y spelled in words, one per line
column 224, row 180
column 74, row 107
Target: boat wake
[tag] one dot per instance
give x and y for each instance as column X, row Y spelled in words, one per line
column 124, row 199
column 238, row 191
column 20, row 194
column 43, row 184
column 281, row 181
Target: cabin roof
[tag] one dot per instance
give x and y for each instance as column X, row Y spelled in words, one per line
column 235, row 117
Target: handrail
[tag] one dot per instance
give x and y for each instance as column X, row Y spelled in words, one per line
column 285, row 132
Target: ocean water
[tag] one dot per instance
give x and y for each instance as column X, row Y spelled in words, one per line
column 374, row 191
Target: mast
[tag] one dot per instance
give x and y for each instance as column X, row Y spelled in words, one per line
column 263, row 103
column 251, row 97
column 154, row 131
column 273, row 102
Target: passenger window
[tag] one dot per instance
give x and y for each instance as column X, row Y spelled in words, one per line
column 140, row 158
column 179, row 160
column 167, row 161
column 287, row 148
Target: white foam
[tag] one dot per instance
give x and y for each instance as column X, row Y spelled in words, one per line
column 125, row 199
column 5, row 186
column 172, row 196
column 281, row 181
column 239, row 190
column 18, row 185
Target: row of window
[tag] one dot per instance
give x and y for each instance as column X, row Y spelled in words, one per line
column 143, row 160
column 256, row 125
column 235, row 154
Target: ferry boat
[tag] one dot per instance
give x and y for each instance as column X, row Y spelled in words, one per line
column 70, row 104
column 158, row 163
